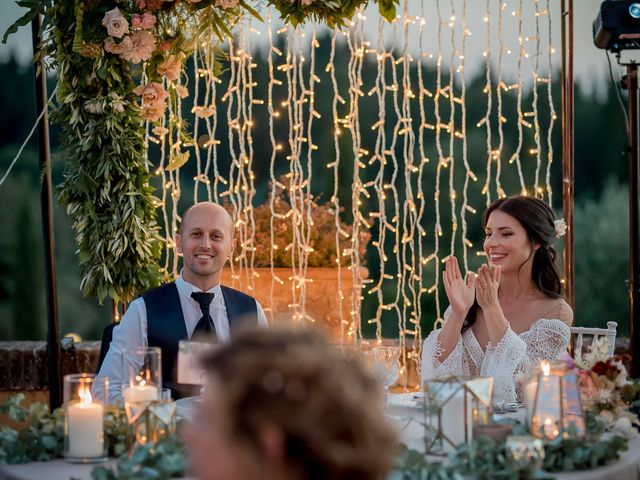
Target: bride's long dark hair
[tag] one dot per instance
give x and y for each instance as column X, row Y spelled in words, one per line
column 537, row 218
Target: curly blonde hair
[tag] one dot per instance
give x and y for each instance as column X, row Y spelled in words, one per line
column 329, row 410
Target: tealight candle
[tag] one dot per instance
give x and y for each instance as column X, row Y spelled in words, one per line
column 140, row 393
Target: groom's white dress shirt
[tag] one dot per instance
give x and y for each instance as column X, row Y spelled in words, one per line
column 131, row 332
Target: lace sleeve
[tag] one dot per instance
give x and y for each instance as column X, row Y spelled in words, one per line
column 546, row 340
column 455, row 364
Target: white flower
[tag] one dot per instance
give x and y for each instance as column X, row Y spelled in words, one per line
column 623, row 425
column 560, row 227
column 116, row 24
column 94, row 106
column 607, row 416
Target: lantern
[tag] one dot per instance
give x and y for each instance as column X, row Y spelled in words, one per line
column 556, row 400
column 453, row 406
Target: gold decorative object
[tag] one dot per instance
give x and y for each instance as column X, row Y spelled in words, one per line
column 525, row 449
column 453, row 406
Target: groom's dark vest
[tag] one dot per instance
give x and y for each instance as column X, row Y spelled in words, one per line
column 166, row 327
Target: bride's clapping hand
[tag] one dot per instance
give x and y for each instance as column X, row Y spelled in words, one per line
column 461, row 294
column 488, row 282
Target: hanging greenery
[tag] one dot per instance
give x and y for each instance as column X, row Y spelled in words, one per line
column 119, row 63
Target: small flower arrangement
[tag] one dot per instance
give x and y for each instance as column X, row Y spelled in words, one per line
column 322, row 239
column 605, row 389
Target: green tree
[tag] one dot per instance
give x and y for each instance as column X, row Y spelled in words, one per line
column 27, row 273
column 602, row 258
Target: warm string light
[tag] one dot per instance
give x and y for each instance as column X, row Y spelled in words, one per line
column 440, row 164
column 389, row 186
column 452, row 136
column 466, row 244
column 516, row 156
column 397, row 199
column 356, row 45
column 552, row 111
column 379, row 158
column 486, row 121
column 499, row 90
column 536, row 124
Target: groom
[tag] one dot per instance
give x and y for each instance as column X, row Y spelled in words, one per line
column 194, row 304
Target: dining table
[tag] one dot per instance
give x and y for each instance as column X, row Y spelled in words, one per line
column 404, row 412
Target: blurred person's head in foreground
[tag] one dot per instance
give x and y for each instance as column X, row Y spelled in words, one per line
column 284, row 404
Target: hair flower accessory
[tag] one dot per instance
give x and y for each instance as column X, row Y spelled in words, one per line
column 560, row 227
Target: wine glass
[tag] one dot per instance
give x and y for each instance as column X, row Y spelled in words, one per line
column 382, row 361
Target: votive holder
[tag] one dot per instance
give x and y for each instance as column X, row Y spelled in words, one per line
column 85, row 397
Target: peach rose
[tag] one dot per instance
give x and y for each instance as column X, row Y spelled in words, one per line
column 152, row 111
column 153, row 100
column 115, row 23
column 143, row 45
column 143, row 22
column 111, row 46
column 151, row 92
column 171, row 67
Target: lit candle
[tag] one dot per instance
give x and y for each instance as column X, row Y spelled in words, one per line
column 547, row 405
column 85, row 423
column 142, row 393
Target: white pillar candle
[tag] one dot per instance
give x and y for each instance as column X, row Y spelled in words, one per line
column 140, row 393
column 453, row 416
column 529, row 395
column 86, row 432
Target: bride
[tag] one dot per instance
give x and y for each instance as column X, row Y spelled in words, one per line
column 512, row 313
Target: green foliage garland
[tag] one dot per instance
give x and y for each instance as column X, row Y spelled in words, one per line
column 42, row 437
column 106, row 189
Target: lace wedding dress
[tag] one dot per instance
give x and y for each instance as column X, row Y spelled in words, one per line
column 546, row 339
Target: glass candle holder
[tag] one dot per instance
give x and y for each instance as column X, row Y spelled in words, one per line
column 144, row 372
column 84, row 400
column 453, row 406
column 556, row 404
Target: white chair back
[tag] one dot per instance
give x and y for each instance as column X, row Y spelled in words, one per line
column 610, row 332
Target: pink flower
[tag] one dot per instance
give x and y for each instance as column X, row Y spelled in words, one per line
column 115, row 23
column 307, row 2
column 143, row 46
column 152, row 111
column 111, row 46
column 143, row 22
column 153, row 100
column 151, row 92
column 226, row 3
column 568, row 359
column 165, row 45
column 171, row 67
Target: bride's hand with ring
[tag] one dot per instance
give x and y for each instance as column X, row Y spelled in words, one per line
column 488, row 283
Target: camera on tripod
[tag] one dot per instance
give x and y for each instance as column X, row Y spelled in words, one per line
column 617, row 26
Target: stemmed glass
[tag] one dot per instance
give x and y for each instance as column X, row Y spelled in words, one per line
column 382, row 361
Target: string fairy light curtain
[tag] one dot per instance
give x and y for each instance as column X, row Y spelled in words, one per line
column 396, row 135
